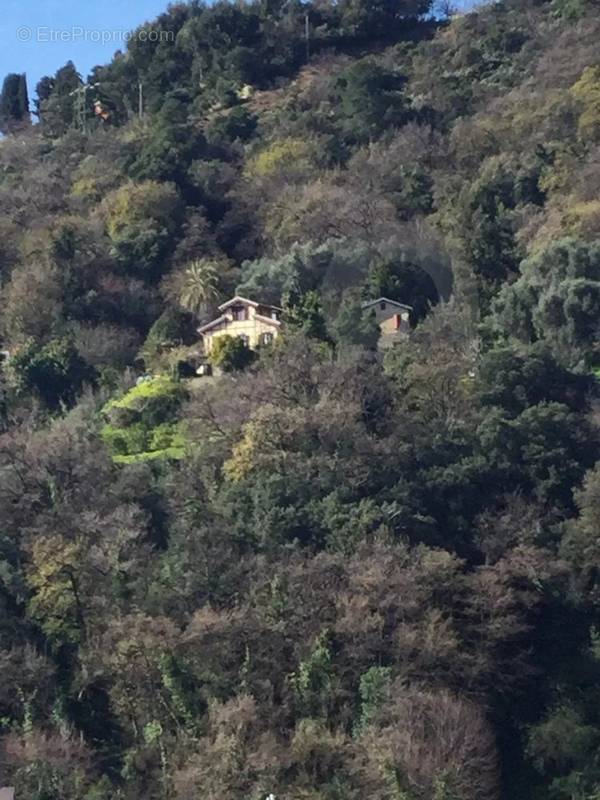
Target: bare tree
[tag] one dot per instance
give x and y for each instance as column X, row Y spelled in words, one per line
column 434, row 745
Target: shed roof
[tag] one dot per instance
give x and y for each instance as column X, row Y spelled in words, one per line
column 372, row 303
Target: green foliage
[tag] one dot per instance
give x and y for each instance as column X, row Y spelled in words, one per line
column 301, row 269
column 516, row 378
column 54, row 579
column 547, row 446
column 54, row 372
column 304, row 312
column 587, row 93
column 353, row 326
column 283, row 156
column 200, row 286
column 239, row 125
column 231, row 354
column 14, row 103
column 489, row 217
column 313, row 682
column 570, row 9
column 171, row 143
column 143, row 423
column 555, row 299
column 373, row 689
column 172, row 329
column 366, row 18
column 57, row 99
column 341, row 573
column 141, row 220
column 371, row 100
column 150, row 401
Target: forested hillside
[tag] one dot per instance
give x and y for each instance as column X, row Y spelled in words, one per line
column 332, row 572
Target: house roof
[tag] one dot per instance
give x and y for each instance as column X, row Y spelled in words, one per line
column 238, row 300
column 212, row 324
column 224, row 318
column 372, row 303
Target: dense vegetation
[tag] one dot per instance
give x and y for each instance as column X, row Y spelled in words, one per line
column 331, row 572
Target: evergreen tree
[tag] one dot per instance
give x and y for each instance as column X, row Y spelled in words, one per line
column 57, row 99
column 14, row 103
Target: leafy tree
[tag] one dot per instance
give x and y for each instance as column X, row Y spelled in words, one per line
column 516, row 378
column 302, row 268
column 239, row 125
column 374, row 691
column 43, row 91
column 562, row 745
column 54, row 578
column 285, row 157
column 371, row 100
column 141, row 221
column 555, row 300
column 380, row 18
column 487, row 218
column 57, row 99
column 587, row 93
column 304, row 312
column 314, row 680
column 231, row 354
column 549, row 446
column 169, row 145
column 353, row 326
column 54, row 372
column 172, row 329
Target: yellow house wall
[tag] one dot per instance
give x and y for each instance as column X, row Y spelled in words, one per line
column 252, row 328
column 388, row 324
column 389, row 314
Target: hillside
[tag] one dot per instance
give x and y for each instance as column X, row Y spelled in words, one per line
column 330, row 570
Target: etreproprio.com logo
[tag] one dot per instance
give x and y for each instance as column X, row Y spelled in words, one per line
column 77, row 33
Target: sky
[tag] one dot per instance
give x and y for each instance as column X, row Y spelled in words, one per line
column 39, row 36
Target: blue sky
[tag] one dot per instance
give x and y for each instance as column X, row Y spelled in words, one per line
column 31, row 32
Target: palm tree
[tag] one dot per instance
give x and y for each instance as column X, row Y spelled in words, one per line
column 200, row 286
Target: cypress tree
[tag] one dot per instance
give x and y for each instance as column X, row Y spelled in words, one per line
column 14, row 103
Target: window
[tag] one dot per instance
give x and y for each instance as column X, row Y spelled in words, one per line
column 382, row 306
column 267, row 338
column 240, row 313
column 245, row 339
column 274, row 314
column 398, row 321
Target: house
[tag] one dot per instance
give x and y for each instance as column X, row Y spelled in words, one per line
column 255, row 323
column 392, row 317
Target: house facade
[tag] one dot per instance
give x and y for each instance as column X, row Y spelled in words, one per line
column 392, row 317
column 255, row 323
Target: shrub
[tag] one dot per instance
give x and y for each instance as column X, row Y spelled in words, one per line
column 151, row 402
column 231, row 354
column 142, row 424
column 54, row 372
